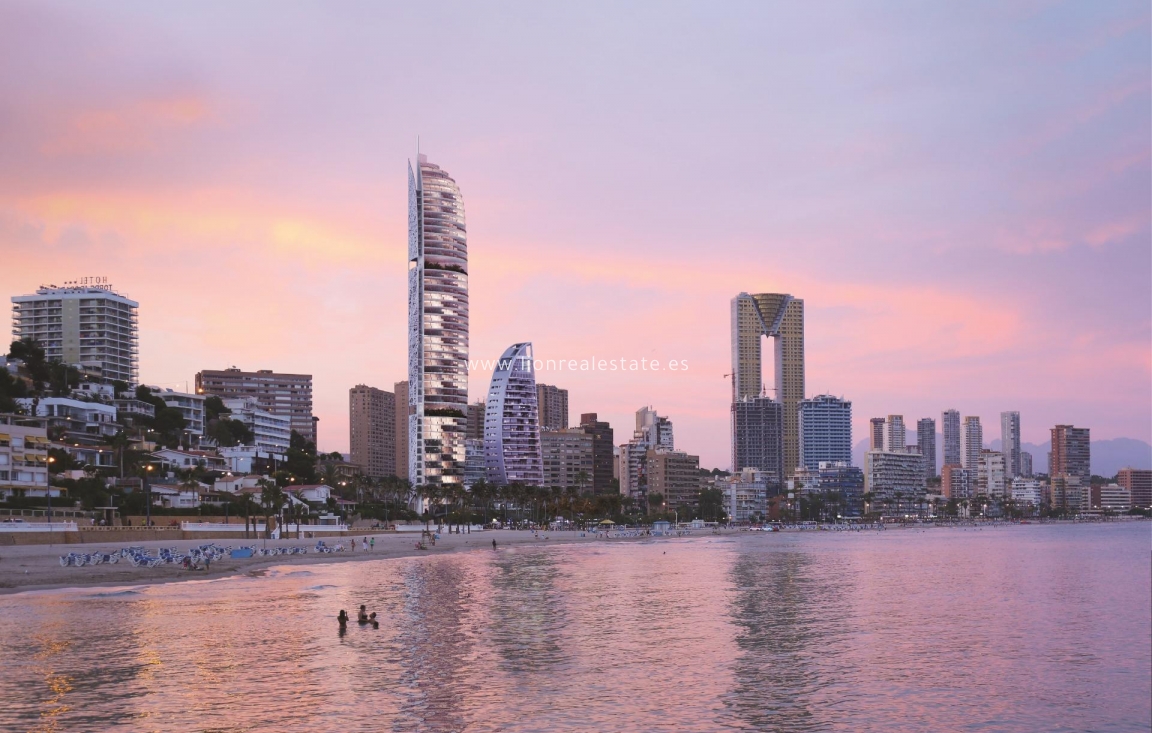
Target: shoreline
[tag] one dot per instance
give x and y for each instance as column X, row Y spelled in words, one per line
column 36, row 568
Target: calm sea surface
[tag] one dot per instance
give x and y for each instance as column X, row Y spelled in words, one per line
column 1034, row 628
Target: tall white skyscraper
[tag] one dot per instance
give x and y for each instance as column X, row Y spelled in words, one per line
column 1010, row 443
column 950, row 428
column 972, row 442
column 437, row 327
column 85, row 324
column 895, row 436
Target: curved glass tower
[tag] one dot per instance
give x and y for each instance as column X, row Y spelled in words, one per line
column 437, row 327
column 512, row 422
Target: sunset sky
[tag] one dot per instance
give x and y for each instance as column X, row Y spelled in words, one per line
column 960, row 192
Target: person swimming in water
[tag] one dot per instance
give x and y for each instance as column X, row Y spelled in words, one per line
column 342, row 618
column 362, row 617
column 372, row 620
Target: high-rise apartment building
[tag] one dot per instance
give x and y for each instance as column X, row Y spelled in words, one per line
column 653, row 433
column 475, row 466
column 991, row 478
column 603, row 446
column 971, row 443
column 475, row 428
column 675, row 476
column 437, row 327
column 511, row 421
column 553, row 404
column 758, row 437
column 1138, row 482
column 400, row 389
column 895, row 435
column 1010, row 443
column 894, row 478
column 926, row 439
column 1071, row 453
column 567, row 456
column 825, row 431
column 781, row 318
column 1025, row 464
column 950, row 435
column 957, row 483
column 280, row 394
column 84, row 324
column 876, row 433
column 372, row 430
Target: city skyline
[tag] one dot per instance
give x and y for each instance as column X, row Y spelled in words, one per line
column 186, row 181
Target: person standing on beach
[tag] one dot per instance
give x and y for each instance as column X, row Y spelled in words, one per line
column 493, row 543
column 372, row 544
column 365, row 544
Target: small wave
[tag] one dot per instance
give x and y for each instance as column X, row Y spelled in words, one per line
column 115, row 593
column 319, row 587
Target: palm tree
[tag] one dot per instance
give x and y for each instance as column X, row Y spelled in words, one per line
column 246, row 505
column 272, row 500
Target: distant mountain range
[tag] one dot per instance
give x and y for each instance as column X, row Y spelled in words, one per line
column 1108, row 456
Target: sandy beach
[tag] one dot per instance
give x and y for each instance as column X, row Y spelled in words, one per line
column 37, row 567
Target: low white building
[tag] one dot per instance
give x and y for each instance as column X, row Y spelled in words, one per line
column 1026, row 492
column 80, row 418
column 176, row 496
column 233, row 484
column 176, row 459
column 246, row 459
column 24, row 457
column 1112, row 497
column 311, row 493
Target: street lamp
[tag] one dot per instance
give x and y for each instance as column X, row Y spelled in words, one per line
column 148, row 496
column 48, row 492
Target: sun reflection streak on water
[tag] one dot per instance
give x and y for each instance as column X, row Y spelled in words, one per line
column 1018, row 629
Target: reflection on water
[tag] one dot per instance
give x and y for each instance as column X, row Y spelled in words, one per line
column 1014, row 629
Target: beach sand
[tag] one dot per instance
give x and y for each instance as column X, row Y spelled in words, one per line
column 37, row 567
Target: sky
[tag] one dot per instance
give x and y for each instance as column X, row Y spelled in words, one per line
column 959, row 192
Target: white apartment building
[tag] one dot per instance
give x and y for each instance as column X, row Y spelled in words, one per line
column 191, row 407
column 271, row 432
column 1113, row 497
column 991, row 479
column 1026, row 491
column 79, row 417
column 24, row 458
column 746, row 495
column 85, row 324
